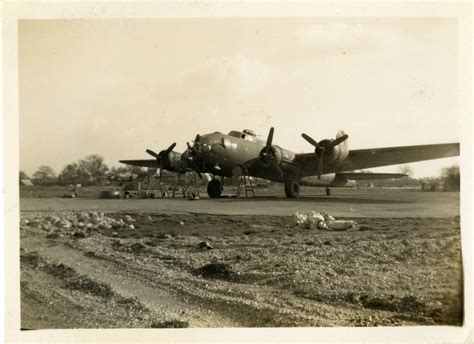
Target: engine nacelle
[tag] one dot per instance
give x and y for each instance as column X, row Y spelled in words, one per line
column 174, row 162
column 339, row 152
column 334, row 153
column 271, row 154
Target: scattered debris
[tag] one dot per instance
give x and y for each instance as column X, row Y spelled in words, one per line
column 129, row 219
column 71, row 223
column 322, row 220
column 79, row 235
column 137, row 247
column 204, row 246
column 216, row 270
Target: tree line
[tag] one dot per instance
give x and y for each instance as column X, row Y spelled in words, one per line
column 87, row 171
column 92, row 168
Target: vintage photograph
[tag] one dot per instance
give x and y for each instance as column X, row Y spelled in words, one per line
column 239, row 172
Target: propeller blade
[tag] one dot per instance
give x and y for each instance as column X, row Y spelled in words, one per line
column 321, row 161
column 310, row 140
column 320, row 167
column 149, row 151
column 170, row 148
column 270, row 137
column 338, row 140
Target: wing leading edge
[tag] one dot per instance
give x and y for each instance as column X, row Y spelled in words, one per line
column 142, row 163
column 376, row 157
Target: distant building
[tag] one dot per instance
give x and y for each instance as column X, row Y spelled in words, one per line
column 26, row 182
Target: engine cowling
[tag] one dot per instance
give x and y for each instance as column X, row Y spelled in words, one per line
column 271, row 155
column 328, row 149
column 173, row 161
column 333, row 153
column 168, row 159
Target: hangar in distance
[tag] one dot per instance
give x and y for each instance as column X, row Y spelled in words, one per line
column 242, row 152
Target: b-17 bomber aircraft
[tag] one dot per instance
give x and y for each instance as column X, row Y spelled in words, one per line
column 243, row 153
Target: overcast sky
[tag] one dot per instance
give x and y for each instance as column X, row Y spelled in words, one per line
column 117, row 87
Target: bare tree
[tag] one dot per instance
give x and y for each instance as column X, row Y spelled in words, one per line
column 70, row 172
column 406, row 169
column 92, row 166
column 44, row 172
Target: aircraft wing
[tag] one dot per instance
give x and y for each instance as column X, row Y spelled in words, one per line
column 376, row 157
column 142, row 163
column 367, row 158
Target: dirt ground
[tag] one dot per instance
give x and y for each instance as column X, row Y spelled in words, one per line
column 163, row 269
column 375, row 202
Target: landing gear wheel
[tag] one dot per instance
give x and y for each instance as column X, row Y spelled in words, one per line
column 292, row 189
column 214, row 189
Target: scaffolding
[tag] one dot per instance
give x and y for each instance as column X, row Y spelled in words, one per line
column 193, row 186
column 245, row 184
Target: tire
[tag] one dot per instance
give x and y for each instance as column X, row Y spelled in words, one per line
column 292, row 189
column 214, row 189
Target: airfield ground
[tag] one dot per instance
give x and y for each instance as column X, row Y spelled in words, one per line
column 403, row 267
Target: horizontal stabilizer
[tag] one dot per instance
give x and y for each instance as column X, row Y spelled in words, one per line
column 366, row 175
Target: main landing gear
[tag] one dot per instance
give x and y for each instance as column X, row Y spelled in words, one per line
column 292, row 189
column 215, row 187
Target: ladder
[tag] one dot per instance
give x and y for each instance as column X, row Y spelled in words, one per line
column 192, row 186
column 245, row 184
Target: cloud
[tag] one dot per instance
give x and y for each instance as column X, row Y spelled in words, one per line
column 217, row 77
column 240, row 72
column 216, row 81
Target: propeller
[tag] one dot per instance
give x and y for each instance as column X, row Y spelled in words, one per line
column 268, row 153
column 163, row 156
column 323, row 148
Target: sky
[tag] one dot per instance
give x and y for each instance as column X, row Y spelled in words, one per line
column 118, row 87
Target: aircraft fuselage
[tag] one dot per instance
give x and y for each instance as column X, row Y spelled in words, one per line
column 222, row 153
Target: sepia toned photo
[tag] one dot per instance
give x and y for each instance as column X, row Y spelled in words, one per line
column 240, row 172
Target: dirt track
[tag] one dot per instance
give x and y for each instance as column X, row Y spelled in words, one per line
column 394, row 271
